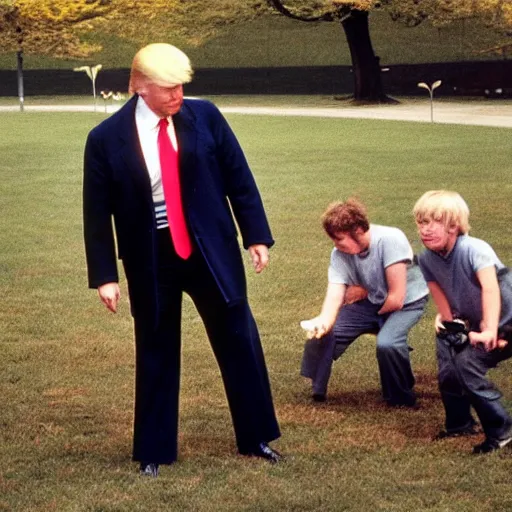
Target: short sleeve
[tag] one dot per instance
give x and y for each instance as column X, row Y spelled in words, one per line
column 481, row 256
column 396, row 248
column 339, row 271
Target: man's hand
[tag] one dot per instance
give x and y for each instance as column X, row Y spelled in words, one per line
column 109, row 294
column 259, row 256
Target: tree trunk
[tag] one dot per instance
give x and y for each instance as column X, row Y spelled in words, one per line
column 365, row 64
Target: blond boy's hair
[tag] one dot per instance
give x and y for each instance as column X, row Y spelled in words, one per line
column 445, row 206
column 161, row 64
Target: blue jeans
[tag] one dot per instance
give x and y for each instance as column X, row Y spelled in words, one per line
column 397, row 379
column 463, row 383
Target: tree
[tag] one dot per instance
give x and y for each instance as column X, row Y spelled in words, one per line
column 495, row 14
column 56, row 27
column 353, row 17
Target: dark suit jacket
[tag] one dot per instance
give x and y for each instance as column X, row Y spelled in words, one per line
column 216, row 183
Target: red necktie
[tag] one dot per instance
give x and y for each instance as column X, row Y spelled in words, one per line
column 172, row 192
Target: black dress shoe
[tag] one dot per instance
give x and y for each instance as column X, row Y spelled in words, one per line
column 264, row 451
column 408, row 403
column 148, row 469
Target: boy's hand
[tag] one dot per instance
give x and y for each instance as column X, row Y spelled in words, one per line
column 354, row 293
column 315, row 328
column 488, row 339
column 438, row 323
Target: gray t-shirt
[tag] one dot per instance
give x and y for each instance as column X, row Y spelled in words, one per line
column 455, row 274
column 388, row 245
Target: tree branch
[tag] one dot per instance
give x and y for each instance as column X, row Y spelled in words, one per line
column 278, row 6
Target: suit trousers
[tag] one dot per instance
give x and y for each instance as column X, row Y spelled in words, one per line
column 463, row 383
column 234, row 338
column 353, row 320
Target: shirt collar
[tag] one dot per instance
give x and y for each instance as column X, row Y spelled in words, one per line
column 448, row 255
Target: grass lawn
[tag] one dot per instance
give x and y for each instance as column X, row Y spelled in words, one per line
column 66, row 371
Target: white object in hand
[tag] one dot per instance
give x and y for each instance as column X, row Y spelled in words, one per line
column 308, row 325
column 311, row 328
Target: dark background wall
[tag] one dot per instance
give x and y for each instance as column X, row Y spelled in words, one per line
column 460, row 78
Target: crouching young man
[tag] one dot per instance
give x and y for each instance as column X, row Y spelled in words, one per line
column 379, row 259
column 471, row 286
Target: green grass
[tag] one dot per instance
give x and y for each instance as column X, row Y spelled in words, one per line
column 278, row 41
column 66, row 370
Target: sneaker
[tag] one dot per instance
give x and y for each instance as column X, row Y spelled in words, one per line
column 472, row 430
column 319, row 397
column 491, row 445
column 148, row 469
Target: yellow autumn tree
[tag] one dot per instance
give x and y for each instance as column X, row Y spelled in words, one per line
column 354, row 18
column 56, row 27
column 353, row 15
column 496, row 14
column 192, row 21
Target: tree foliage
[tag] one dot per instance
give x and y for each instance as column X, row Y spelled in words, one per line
column 56, row 27
column 496, row 14
column 321, row 10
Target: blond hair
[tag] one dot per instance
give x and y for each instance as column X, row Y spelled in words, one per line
column 161, row 64
column 345, row 217
column 445, row 206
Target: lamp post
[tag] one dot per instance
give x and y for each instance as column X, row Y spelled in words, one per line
column 430, row 90
column 92, row 73
column 21, row 94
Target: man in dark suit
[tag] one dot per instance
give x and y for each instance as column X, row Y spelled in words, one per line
column 174, row 244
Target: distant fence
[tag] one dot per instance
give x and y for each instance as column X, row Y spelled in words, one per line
column 459, row 78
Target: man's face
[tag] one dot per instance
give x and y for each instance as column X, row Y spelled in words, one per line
column 436, row 236
column 351, row 243
column 163, row 101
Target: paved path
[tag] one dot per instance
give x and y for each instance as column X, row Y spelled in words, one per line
column 484, row 113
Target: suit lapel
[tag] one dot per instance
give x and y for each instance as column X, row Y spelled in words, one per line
column 186, row 133
column 131, row 150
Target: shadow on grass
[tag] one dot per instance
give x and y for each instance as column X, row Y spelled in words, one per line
column 361, row 418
